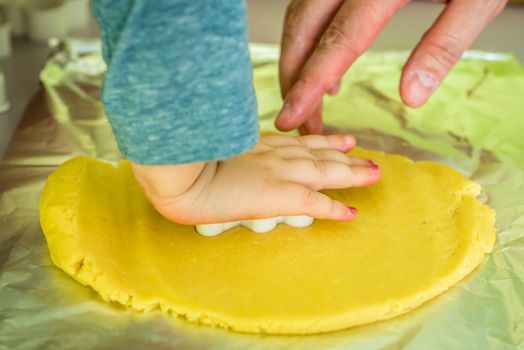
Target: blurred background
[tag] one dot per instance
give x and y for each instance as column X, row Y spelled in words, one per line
column 27, row 25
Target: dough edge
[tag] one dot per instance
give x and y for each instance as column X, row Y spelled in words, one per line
column 85, row 271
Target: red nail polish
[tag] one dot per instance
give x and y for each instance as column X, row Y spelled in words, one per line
column 352, row 210
column 372, row 165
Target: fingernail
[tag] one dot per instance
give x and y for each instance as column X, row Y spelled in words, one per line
column 352, row 211
column 420, row 86
column 372, row 165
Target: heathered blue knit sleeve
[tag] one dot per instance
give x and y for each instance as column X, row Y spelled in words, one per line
column 179, row 86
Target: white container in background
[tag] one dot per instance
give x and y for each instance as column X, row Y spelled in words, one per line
column 4, row 103
column 47, row 19
column 5, row 38
column 79, row 13
column 13, row 10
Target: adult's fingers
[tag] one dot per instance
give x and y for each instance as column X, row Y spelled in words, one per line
column 443, row 45
column 304, row 24
column 343, row 143
column 323, row 174
column 313, row 125
column 335, row 89
column 353, row 29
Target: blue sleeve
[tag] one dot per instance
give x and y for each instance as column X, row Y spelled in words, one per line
column 179, row 86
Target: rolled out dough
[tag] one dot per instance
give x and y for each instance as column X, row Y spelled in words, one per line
column 418, row 231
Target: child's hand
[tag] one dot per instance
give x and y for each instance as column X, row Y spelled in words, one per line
column 280, row 176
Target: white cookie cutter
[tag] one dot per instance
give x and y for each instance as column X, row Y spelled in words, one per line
column 258, row 226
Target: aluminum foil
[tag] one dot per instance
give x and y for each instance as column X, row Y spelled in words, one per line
column 475, row 123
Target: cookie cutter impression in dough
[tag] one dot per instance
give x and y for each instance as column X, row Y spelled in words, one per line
column 258, row 226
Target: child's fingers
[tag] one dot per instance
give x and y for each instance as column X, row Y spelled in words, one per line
column 299, row 200
column 321, row 174
column 298, row 152
column 342, row 143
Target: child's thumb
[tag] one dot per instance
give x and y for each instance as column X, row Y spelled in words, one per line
column 305, row 201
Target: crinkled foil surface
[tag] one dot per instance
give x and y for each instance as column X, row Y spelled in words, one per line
column 475, row 123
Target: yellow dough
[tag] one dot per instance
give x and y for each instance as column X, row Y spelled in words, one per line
column 418, row 231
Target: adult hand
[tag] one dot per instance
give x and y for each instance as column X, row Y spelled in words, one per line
column 322, row 39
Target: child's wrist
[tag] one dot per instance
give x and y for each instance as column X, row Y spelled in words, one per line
column 166, row 181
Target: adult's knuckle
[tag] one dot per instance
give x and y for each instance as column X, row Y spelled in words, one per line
column 375, row 11
column 445, row 49
column 335, row 36
column 304, row 80
column 291, row 21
